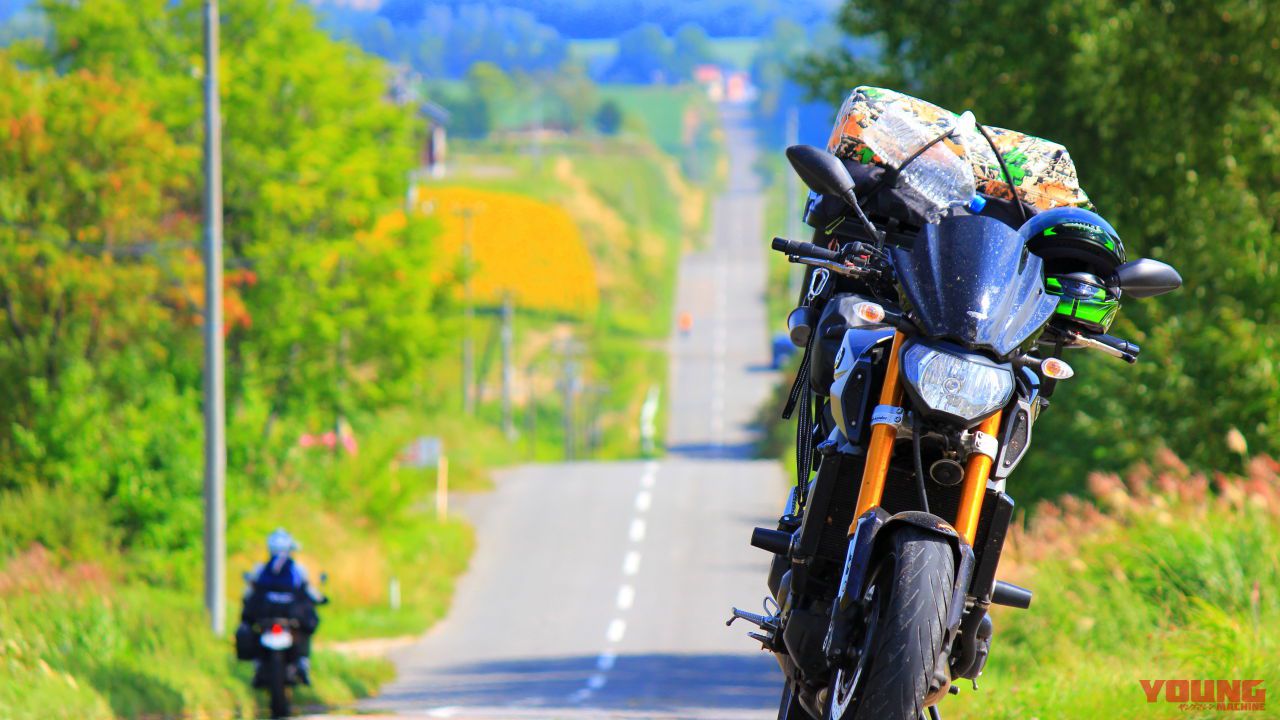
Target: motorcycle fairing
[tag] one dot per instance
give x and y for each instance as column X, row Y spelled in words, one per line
column 853, row 375
column 969, row 279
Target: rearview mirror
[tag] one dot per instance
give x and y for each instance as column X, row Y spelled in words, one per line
column 822, row 172
column 1144, row 278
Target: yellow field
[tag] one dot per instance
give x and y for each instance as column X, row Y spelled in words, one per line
column 519, row 245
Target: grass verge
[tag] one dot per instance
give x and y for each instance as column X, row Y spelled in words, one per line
column 1166, row 574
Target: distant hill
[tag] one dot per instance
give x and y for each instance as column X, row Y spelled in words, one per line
column 587, row 19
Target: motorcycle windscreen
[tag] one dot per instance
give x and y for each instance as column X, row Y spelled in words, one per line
column 969, row 280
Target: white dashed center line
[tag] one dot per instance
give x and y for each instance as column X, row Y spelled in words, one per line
column 626, row 592
column 617, row 629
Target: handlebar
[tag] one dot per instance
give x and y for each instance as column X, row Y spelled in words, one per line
column 818, row 256
column 805, row 249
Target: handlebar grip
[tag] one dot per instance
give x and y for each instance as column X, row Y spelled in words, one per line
column 804, row 249
column 1124, row 346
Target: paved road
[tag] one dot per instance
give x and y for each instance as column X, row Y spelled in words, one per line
column 601, row 589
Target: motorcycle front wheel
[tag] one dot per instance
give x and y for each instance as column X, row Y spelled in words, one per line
column 910, row 597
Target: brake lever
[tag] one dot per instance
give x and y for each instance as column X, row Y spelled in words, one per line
column 1087, row 342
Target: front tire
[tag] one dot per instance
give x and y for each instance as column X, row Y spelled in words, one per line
column 914, row 581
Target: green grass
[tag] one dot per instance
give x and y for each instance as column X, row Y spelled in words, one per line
column 661, row 110
column 737, row 52
column 118, row 632
column 1176, row 584
column 83, row 648
column 635, row 229
column 591, row 51
column 91, row 630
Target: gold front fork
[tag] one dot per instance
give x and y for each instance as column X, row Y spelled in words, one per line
column 880, row 448
column 880, row 451
column 975, row 484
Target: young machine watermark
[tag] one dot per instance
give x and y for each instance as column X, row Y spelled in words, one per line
column 1199, row 695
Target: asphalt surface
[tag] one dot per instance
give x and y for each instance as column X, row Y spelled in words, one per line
column 601, row 589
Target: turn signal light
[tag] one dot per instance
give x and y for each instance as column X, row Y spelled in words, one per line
column 1056, row 368
column 869, row 312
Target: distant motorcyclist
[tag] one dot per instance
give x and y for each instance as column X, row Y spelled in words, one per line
column 281, row 585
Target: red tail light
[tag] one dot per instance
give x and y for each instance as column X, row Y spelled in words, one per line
column 276, row 628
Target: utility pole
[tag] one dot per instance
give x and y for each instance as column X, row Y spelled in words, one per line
column 215, row 443
column 569, row 386
column 468, row 342
column 530, row 412
column 508, row 365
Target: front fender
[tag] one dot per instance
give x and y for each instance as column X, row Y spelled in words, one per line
column 868, row 544
column 963, row 554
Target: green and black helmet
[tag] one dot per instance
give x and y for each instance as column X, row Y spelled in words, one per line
column 1084, row 298
column 1081, row 252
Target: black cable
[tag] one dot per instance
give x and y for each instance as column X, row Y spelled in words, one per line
column 1008, row 177
column 923, row 148
column 915, row 447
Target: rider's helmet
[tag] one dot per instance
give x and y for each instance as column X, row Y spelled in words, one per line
column 280, row 542
column 1081, row 252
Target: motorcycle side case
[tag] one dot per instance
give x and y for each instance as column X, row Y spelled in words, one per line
column 853, row 378
column 247, row 647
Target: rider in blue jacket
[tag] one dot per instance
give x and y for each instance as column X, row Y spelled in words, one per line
column 282, row 581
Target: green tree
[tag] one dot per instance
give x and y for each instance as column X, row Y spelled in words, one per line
column 691, row 47
column 644, row 56
column 572, row 96
column 89, row 218
column 1170, row 113
column 331, row 309
column 608, row 119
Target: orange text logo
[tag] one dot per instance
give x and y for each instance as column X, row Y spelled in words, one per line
column 1207, row 694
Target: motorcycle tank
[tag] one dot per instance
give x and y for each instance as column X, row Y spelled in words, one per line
column 969, row 280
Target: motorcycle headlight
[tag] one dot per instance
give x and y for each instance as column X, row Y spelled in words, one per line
column 970, row 388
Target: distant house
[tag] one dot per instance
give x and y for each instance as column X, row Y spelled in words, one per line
column 711, row 78
column 434, row 148
column 406, row 89
column 738, row 88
